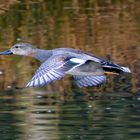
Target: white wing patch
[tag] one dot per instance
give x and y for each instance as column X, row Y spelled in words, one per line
column 77, row 60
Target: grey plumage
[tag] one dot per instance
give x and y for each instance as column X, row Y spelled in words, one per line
column 87, row 70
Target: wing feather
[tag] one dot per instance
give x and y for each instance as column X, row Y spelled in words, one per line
column 51, row 70
column 84, row 81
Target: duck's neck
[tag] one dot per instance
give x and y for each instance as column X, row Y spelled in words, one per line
column 42, row 55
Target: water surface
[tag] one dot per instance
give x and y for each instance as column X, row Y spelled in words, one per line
column 40, row 115
column 61, row 111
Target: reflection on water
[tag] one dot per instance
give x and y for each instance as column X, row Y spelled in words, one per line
column 41, row 115
column 109, row 29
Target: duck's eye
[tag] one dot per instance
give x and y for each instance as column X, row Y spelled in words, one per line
column 16, row 46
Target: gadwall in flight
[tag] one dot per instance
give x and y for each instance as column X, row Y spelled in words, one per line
column 86, row 69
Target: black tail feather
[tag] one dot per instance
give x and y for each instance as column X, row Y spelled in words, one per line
column 111, row 67
column 113, row 70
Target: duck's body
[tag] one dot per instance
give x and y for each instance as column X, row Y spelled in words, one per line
column 87, row 70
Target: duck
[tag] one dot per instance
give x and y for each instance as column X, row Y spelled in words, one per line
column 86, row 69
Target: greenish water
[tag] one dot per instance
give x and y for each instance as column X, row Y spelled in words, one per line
column 61, row 111
column 40, row 115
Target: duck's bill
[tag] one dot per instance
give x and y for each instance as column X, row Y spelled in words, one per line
column 8, row 52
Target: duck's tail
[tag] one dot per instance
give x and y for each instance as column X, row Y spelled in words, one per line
column 111, row 68
column 126, row 69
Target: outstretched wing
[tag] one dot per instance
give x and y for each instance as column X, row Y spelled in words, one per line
column 51, row 70
column 84, row 81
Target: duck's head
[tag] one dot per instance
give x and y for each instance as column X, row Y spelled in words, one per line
column 20, row 49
